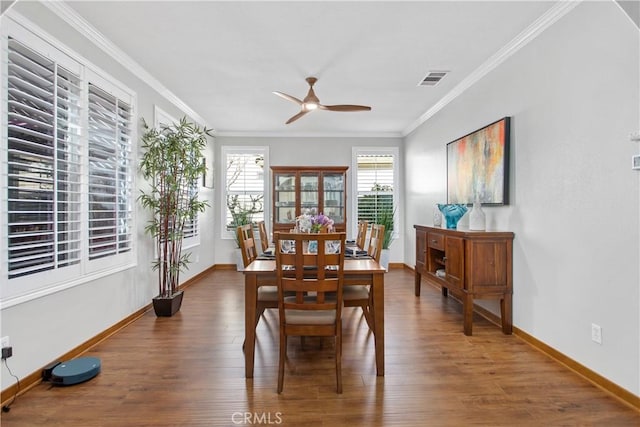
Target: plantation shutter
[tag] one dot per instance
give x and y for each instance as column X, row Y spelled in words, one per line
column 43, row 163
column 110, row 182
column 375, row 185
column 245, row 185
column 191, row 224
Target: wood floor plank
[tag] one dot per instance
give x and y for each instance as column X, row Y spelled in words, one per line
column 189, row 371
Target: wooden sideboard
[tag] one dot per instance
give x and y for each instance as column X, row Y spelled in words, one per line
column 469, row 264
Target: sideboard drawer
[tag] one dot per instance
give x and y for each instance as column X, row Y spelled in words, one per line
column 436, row 241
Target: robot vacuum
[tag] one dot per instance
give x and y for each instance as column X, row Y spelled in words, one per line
column 75, row 371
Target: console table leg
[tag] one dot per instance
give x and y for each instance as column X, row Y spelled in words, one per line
column 467, row 312
column 506, row 314
column 418, row 280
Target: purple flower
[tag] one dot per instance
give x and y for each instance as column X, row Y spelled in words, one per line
column 319, row 221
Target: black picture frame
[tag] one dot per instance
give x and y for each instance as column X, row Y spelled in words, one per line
column 478, row 164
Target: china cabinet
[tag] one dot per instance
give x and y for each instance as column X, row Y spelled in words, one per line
column 297, row 189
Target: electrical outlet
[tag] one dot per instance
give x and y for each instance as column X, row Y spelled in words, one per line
column 7, row 352
column 596, row 333
column 4, row 342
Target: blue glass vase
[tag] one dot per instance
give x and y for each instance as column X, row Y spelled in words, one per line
column 452, row 214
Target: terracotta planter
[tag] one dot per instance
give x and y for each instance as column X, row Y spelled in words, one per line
column 168, row 306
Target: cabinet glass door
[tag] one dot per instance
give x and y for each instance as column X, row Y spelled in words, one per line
column 333, row 196
column 285, row 198
column 309, row 200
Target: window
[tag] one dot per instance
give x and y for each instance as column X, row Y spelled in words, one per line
column 375, row 183
column 245, row 184
column 43, row 163
column 68, row 205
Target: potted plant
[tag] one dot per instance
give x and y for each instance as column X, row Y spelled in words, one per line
column 386, row 218
column 172, row 161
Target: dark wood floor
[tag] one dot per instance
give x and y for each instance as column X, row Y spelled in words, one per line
column 189, row 371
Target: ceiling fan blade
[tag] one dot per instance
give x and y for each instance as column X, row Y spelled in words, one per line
column 288, row 97
column 344, row 107
column 311, row 102
column 296, row 117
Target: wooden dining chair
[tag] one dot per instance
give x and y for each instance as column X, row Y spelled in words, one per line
column 361, row 237
column 315, row 276
column 264, row 236
column 355, row 295
column 375, row 241
column 247, row 243
column 267, row 290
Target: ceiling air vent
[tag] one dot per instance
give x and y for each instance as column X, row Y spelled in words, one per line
column 433, row 78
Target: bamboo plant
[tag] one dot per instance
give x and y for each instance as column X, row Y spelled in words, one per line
column 173, row 163
column 386, row 218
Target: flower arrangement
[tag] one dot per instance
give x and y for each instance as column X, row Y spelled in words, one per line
column 307, row 223
column 321, row 221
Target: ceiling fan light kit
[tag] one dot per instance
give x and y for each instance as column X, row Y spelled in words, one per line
column 311, row 102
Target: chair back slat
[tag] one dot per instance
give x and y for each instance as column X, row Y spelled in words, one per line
column 375, row 241
column 264, row 236
column 361, row 237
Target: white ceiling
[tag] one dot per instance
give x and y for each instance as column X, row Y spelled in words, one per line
column 224, row 59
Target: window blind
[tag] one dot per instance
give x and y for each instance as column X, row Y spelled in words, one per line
column 110, row 182
column 375, row 185
column 191, row 226
column 43, row 163
column 245, row 186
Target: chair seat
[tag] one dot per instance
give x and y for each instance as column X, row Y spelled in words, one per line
column 268, row 293
column 350, row 292
column 310, row 317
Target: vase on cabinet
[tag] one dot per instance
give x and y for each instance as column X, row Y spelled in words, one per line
column 452, row 214
column 437, row 217
column 477, row 218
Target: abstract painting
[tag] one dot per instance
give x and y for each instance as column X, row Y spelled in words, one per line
column 478, row 165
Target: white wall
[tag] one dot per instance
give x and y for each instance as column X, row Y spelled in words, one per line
column 43, row 329
column 291, row 151
column 573, row 95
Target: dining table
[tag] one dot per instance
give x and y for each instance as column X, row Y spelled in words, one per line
column 357, row 271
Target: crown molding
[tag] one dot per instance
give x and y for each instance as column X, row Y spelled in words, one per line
column 283, row 134
column 555, row 12
column 71, row 17
column 631, row 9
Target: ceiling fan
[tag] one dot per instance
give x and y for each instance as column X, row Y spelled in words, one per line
column 311, row 102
